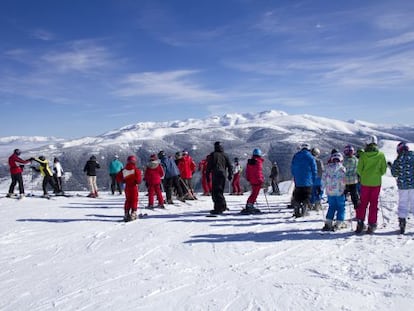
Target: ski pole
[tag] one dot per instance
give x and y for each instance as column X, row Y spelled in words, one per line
column 267, row 202
column 382, row 212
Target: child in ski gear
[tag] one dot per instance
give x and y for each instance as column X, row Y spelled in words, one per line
column 16, row 165
column 171, row 178
column 237, row 169
column 351, row 176
column 403, row 169
column 304, row 171
column 274, row 178
column 47, row 174
column 207, row 186
column 371, row 166
column 218, row 166
column 254, row 175
column 317, row 191
column 333, row 180
column 90, row 168
column 57, row 175
column 115, row 166
column 154, row 173
column 131, row 176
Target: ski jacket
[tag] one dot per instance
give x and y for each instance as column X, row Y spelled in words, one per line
column 350, row 164
column 274, row 172
column 90, row 167
column 187, row 167
column 44, row 167
column 57, row 169
column 371, row 166
column 303, row 168
column 237, row 169
column 202, row 167
column 170, row 168
column 115, row 166
column 403, row 169
column 333, row 179
column 15, row 163
column 154, row 173
column 130, row 175
column 319, row 167
column 254, row 170
column 218, row 163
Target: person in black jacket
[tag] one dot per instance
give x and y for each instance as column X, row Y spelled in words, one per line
column 218, row 165
column 274, row 179
column 90, row 169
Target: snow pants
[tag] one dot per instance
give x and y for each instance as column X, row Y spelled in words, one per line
column 155, row 189
column 206, row 185
column 217, row 194
column 16, row 179
column 405, row 202
column 92, row 184
column 336, row 206
column 317, row 191
column 352, row 189
column 48, row 180
column 131, row 198
column 236, row 183
column 169, row 184
column 255, row 192
column 369, row 199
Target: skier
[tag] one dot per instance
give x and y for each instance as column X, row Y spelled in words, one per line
column 254, row 175
column 115, row 166
column 304, row 171
column 333, row 180
column 154, row 173
column 187, row 167
column 171, row 178
column 371, row 166
column 90, row 168
column 403, row 169
column 57, row 175
column 131, row 176
column 237, row 170
column 351, row 176
column 16, row 165
column 317, row 191
column 202, row 167
column 274, row 179
column 47, row 174
column 218, row 166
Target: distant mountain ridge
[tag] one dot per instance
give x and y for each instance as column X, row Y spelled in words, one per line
column 275, row 132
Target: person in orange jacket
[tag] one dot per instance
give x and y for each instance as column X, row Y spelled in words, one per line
column 154, row 173
column 131, row 176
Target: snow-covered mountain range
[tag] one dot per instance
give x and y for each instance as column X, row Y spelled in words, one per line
column 276, row 133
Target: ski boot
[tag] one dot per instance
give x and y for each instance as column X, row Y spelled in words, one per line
column 360, row 226
column 127, row 216
column 340, row 225
column 402, row 223
column 250, row 210
column 371, row 228
column 328, row 226
column 133, row 215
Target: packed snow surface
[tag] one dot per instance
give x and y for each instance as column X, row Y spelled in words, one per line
column 75, row 253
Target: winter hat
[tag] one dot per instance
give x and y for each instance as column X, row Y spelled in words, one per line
column 305, row 146
column 116, row 156
column 236, row 159
column 161, row 154
column 17, row 151
column 185, row 152
column 402, row 147
column 93, row 158
column 132, row 159
column 217, row 143
column 178, row 155
column 153, row 157
column 55, row 160
column 372, row 140
column 315, row 151
column 257, row 152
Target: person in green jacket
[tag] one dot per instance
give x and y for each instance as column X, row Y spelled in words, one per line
column 371, row 166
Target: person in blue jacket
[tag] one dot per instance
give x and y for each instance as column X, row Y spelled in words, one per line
column 172, row 178
column 114, row 168
column 304, row 171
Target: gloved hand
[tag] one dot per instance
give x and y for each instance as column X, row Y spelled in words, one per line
column 229, row 177
column 389, row 164
column 31, row 159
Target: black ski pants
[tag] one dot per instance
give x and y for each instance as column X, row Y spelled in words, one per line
column 16, row 178
column 217, row 193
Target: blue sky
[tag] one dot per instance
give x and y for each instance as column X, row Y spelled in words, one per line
column 80, row 68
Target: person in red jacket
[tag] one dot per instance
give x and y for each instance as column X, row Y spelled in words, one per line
column 202, row 167
column 16, row 165
column 187, row 167
column 131, row 176
column 154, row 173
column 254, row 175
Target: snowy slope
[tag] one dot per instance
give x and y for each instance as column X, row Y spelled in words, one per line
column 76, row 254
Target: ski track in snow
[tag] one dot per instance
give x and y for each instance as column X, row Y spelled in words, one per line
column 77, row 254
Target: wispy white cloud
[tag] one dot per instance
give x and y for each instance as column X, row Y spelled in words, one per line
column 172, row 84
column 404, row 38
column 42, row 34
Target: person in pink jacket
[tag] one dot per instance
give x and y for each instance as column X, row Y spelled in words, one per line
column 154, row 173
column 254, row 175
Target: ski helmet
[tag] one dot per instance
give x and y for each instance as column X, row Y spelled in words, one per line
column 349, row 150
column 42, row 158
column 315, row 151
column 305, row 146
column 337, row 157
column 402, row 147
column 132, row 159
column 17, row 152
column 372, row 140
column 257, row 152
column 236, row 160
